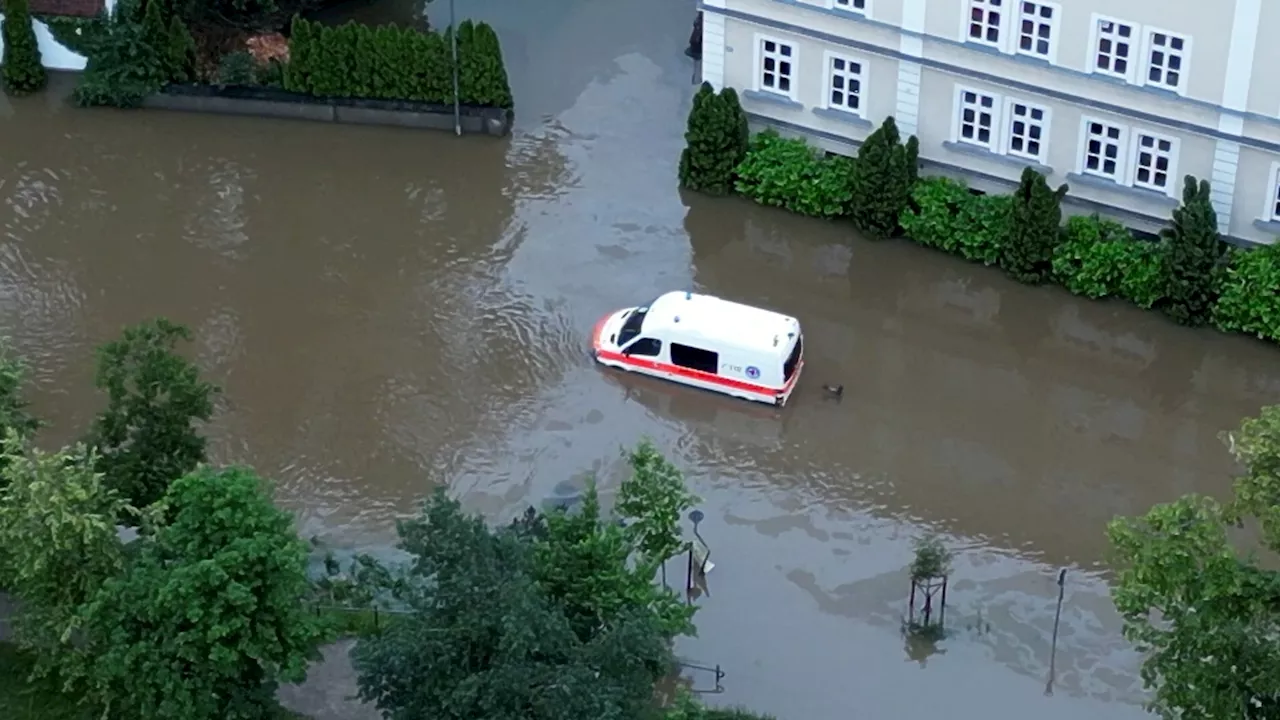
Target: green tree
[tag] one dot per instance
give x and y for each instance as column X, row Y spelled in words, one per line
column 1193, row 251
column 208, row 617
column 146, row 434
column 180, row 49
column 485, row 641
column 14, row 415
column 155, row 26
column 124, row 66
column 653, row 502
column 1035, row 229
column 716, row 140
column 881, row 180
column 583, row 562
column 1206, row 615
column 21, row 67
column 57, row 525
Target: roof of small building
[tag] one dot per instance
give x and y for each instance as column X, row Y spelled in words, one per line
column 720, row 323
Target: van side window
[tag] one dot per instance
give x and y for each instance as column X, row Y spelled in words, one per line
column 695, row 358
column 645, row 347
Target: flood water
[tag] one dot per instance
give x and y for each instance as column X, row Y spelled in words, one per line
column 389, row 310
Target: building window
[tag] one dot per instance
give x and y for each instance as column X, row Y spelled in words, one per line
column 1273, row 201
column 976, row 118
column 776, row 60
column 1103, row 149
column 854, row 5
column 1028, row 130
column 984, row 21
column 1153, row 160
column 844, row 84
column 1037, row 23
column 1114, row 49
column 1166, row 59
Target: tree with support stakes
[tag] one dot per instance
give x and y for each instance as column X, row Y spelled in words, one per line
column 929, row 572
column 21, row 67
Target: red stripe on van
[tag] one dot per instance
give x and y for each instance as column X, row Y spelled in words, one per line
column 688, row 373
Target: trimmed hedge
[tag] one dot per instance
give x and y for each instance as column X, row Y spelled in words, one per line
column 391, row 63
column 21, row 68
column 1090, row 256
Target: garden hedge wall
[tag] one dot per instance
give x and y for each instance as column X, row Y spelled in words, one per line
column 1091, row 256
column 392, row 63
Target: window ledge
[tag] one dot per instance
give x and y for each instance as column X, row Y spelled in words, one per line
column 769, row 97
column 1114, row 187
column 981, row 152
column 843, row 116
column 1267, row 226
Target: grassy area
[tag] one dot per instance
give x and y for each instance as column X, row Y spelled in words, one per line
column 22, row 701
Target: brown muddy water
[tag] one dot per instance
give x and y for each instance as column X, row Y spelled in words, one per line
column 389, row 310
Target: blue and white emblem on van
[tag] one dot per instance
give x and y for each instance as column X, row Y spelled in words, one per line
column 753, row 372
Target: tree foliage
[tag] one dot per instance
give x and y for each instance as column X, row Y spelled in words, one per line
column 393, row 63
column 57, row 525
column 487, row 641
column 208, row 618
column 21, row 67
column 653, row 501
column 147, row 435
column 716, row 141
column 1034, row 229
column 125, row 65
column 1206, row 615
column 1193, row 253
column 14, row 414
column 882, row 179
column 792, row 174
column 180, row 51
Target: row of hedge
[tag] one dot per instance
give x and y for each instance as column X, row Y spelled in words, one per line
column 1189, row 274
column 392, row 63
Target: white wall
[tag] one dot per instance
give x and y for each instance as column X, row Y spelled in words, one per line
column 54, row 55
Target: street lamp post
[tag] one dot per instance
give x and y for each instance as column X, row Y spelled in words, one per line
column 453, row 34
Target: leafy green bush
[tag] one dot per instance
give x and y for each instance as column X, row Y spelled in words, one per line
column 947, row 216
column 1101, row 258
column 788, row 173
column 391, row 63
column 1194, row 251
column 716, row 137
column 124, row 65
column 1034, row 229
column 21, row 67
column 1250, row 297
column 180, row 51
column 77, row 34
column 237, row 69
column 881, row 180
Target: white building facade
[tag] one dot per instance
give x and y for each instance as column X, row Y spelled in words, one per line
column 1118, row 98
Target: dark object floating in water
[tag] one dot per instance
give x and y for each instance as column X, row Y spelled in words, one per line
column 834, row 390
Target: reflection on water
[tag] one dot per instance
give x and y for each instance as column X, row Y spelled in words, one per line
column 389, row 310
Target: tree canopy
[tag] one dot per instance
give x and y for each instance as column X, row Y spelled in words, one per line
column 147, row 436
column 1207, row 614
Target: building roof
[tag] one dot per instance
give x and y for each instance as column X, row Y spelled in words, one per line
column 721, row 323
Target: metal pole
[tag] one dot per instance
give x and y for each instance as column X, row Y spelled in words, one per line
column 1053, row 648
column 457, row 107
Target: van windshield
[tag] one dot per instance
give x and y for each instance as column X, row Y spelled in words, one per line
column 633, row 324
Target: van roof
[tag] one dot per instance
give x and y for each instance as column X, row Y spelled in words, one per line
column 720, row 323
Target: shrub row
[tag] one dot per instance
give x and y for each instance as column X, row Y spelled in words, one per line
column 135, row 52
column 391, row 63
column 1189, row 273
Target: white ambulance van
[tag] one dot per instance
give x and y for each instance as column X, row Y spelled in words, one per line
column 705, row 342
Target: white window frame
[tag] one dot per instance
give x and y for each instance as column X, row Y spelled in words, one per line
column 827, row 57
column 1122, row 156
column 1135, row 59
column 1148, row 44
column 758, row 66
column 1046, row 127
column 848, row 6
column 1269, row 212
column 997, row 115
column 1055, row 24
column 1175, row 147
column 1002, row 30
